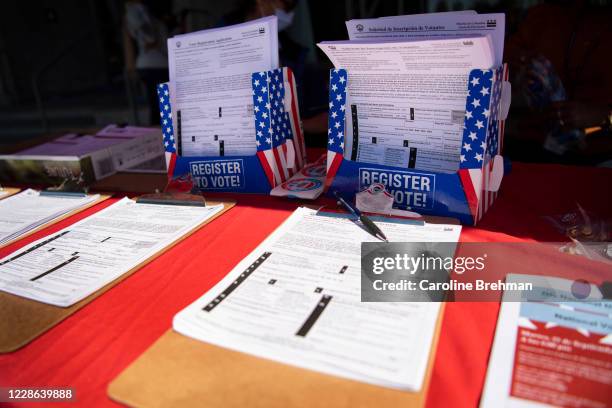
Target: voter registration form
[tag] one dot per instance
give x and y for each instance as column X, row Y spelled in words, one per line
column 432, row 26
column 31, row 209
column 210, row 86
column 69, row 265
column 296, row 299
column 405, row 102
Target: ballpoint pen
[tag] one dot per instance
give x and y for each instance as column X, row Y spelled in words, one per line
column 367, row 223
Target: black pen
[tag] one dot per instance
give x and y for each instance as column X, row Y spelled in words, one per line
column 365, row 221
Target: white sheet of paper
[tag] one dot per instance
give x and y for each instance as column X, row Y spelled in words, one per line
column 439, row 13
column 28, row 210
column 550, row 357
column 266, row 309
column 69, row 265
column 432, row 26
column 409, row 98
column 210, row 85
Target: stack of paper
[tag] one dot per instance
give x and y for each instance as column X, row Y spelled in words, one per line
column 210, row 86
column 31, row 209
column 433, row 26
column 296, row 299
column 407, row 76
column 73, row 263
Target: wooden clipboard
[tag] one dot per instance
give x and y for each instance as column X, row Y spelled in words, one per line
column 179, row 371
column 6, row 192
column 102, row 197
column 22, row 320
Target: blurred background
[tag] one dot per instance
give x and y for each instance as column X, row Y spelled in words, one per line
column 69, row 65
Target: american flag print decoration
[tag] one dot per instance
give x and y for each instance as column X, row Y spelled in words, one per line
column 477, row 117
column 279, row 120
column 494, row 136
column 165, row 118
column 281, row 126
column 493, row 128
column 293, row 116
column 338, row 80
column 167, row 128
column 285, row 118
column 480, row 138
column 268, row 118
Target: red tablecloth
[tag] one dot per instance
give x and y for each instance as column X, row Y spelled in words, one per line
column 90, row 348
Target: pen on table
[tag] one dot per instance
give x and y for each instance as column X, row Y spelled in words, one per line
column 367, row 223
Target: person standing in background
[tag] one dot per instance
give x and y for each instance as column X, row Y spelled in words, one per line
column 311, row 78
column 145, row 34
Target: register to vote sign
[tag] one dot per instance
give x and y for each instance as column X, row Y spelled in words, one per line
column 410, row 190
column 218, row 174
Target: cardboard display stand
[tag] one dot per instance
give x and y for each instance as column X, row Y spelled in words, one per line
column 466, row 194
column 22, row 320
column 281, row 151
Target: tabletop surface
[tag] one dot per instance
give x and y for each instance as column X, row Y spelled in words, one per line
column 90, row 348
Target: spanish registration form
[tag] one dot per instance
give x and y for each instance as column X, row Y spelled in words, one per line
column 406, row 100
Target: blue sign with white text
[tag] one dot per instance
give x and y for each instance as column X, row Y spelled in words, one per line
column 410, row 189
column 218, row 174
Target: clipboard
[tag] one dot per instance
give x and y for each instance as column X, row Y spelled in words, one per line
column 180, row 371
column 22, row 320
column 103, row 197
column 6, row 192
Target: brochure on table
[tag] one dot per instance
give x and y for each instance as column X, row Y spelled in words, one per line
column 549, row 352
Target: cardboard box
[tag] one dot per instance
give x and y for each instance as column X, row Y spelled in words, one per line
column 466, row 194
column 281, row 149
column 91, row 157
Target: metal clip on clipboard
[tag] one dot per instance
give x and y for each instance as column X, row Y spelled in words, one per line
column 187, row 199
column 174, row 194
